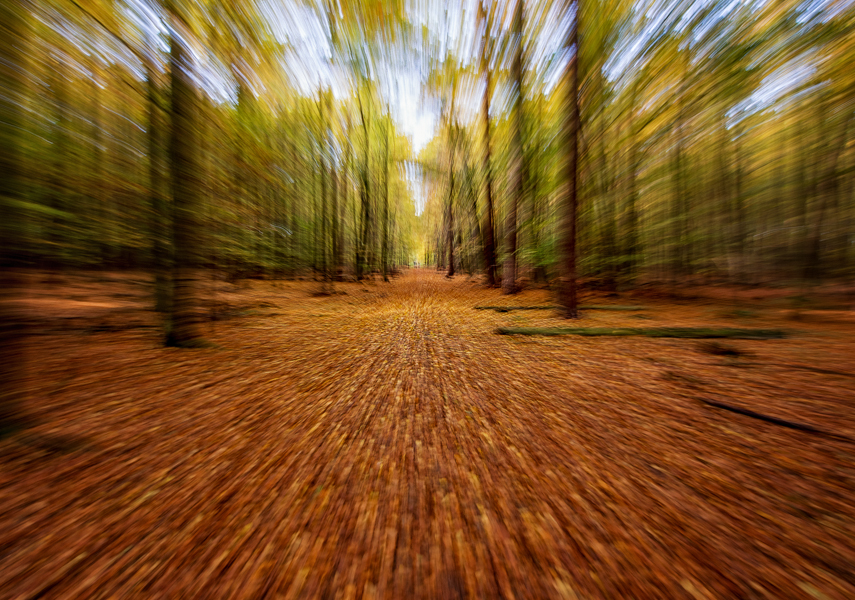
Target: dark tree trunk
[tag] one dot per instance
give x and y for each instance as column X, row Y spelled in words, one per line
column 13, row 145
column 509, row 272
column 59, row 177
column 385, row 250
column 567, row 291
column 317, row 175
column 449, row 209
column 184, row 327
column 633, row 246
column 157, row 199
column 100, row 226
column 477, row 230
column 489, row 226
column 365, row 197
column 325, row 168
column 336, row 226
column 344, row 199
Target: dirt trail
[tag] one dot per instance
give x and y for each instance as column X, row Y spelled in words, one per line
column 384, row 442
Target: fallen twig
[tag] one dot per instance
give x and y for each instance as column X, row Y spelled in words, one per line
column 774, row 420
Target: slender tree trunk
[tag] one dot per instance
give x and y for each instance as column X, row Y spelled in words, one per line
column 291, row 221
column 365, row 195
column 157, row 198
column 385, row 250
column 101, row 222
column 683, row 258
column 537, row 202
column 325, row 168
column 489, row 226
column 477, row 230
column 449, row 208
column 348, row 169
column 317, row 175
column 509, row 272
column 324, row 240
column 606, row 199
column 440, row 250
column 336, row 225
column 59, row 176
column 739, row 212
column 184, row 327
column 633, row 245
column 567, row 290
column 344, row 193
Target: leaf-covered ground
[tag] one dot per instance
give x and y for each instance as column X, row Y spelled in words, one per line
column 384, row 442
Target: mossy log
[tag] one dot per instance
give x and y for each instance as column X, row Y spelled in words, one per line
column 657, row 332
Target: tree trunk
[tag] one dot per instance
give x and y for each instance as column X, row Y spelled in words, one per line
column 449, row 208
column 13, row 125
column 184, row 326
column 59, row 188
column 336, row 225
column 489, row 227
column 509, row 272
column 609, row 232
column 317, row 176
column 567, row 290
column 385, row 250
column 365, row 196
column 325, row 169
column 344, row 199
column 157, row 199
column 633, row 245
column 100, row 225
column 682, row 257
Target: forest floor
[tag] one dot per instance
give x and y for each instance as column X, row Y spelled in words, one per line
column 385, row 442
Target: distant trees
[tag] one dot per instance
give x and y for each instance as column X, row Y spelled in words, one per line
column 713, row 143
column 162, row 138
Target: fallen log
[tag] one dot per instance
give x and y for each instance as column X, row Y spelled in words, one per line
column 655, row 332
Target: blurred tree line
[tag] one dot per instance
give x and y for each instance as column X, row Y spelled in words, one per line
column 715, row 142
column 621, row 141
column 170, row 136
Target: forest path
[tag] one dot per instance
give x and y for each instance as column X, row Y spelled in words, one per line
column 386, row 443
